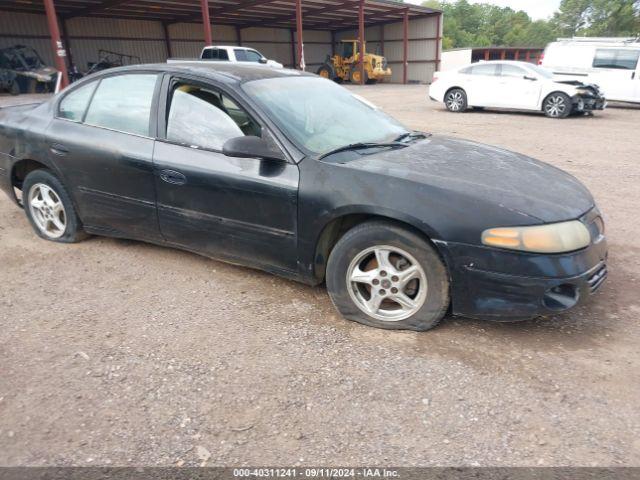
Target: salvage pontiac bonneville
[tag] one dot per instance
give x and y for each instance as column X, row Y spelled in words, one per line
column 287, row 172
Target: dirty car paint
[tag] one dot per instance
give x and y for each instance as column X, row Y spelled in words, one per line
column 282, row 216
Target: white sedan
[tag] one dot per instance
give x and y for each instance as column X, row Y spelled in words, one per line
column 513, row 85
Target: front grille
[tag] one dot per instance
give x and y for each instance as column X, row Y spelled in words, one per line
column 597, row 279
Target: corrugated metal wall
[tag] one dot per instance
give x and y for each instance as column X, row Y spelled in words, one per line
column 423, row 46
column 14, row 25
column 145, row 39
column 273, row 43
column 317, row 45
column 186, row 38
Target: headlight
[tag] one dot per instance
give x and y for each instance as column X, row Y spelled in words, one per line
column 552, row 238
column 585, row 93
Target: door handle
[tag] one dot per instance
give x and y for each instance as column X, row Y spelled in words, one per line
column 173, row 177
column 58, row 149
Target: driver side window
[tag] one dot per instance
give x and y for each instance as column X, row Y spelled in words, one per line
column 202, row 117
column 253, row 56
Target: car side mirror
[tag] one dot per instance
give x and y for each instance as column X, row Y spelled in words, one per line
column 533, row 79
column 249, row 146
column 263, row 60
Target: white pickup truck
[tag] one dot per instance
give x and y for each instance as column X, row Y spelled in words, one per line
column 227, row 53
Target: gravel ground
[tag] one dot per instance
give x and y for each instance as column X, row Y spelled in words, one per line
column 122, row 353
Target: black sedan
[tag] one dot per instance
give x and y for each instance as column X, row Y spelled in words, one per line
column 290, row 173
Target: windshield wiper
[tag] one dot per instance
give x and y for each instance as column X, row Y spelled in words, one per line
column 361, row 146
column 409, row 135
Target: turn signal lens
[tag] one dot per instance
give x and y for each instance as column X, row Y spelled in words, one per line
column 551, row 238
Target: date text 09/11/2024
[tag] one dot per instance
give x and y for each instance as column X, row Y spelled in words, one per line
column 315, row 473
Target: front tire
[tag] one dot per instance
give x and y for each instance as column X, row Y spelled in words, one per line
column 385, row 276
column 49, row 208
column 557, row 105
column 326, row 71
column 355, row 76
column 456, row 100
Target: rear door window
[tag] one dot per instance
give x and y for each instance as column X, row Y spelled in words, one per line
column 123, row 103
column 622, row 59
column 490, row 69
column 74, row 104
column 210, row 54
column 215, row 54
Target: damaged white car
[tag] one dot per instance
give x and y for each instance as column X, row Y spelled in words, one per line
column 514, row 85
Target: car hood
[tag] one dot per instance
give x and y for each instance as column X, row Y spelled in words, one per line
column 44, row 74
column 273, row 63
column 486, row 174
column 595, row 89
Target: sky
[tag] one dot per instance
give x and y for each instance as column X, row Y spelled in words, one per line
column 537, row 9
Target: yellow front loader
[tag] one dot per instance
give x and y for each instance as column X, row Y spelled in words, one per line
column 344, row 66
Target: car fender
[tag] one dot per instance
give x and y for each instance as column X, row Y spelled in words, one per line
column 562, row 87
column 312, row 268
column 377, row 211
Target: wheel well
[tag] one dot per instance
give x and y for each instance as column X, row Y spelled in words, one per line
column 23, row 168
column 454, row 88
column 336, row 229
column 20, row 171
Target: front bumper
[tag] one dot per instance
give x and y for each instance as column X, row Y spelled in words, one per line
column 494, row 284
column 378, row 73
column 584, row 103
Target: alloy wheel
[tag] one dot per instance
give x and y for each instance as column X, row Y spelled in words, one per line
column 556, row 106
column 454, row 101
column 47, row 210
column 387, row 283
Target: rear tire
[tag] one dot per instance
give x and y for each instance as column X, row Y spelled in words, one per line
column 49, row 208
column 557, row 105
column 385, row 276
column 456, row 100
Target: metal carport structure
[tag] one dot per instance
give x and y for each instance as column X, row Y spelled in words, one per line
column 338, row 17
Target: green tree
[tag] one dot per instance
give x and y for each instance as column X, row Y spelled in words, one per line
column 482, row 24
column 571, row 17
column 611, row 18
column 614, row 18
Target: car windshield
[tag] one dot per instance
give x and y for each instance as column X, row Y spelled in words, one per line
column 543, row 72
column 319, row 115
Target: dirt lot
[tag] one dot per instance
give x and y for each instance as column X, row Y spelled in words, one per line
column 122, row 353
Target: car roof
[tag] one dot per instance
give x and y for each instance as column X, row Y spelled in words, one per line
column 509, row 62
column 227, row 72
column 237, row 47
